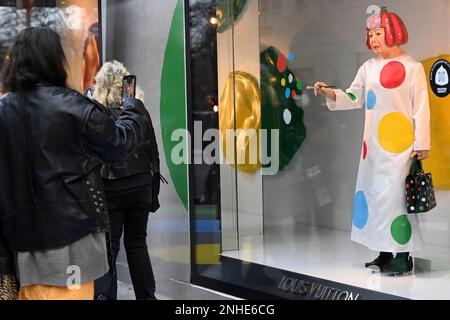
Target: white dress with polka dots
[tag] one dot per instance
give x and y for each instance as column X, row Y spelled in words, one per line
column 395, row 94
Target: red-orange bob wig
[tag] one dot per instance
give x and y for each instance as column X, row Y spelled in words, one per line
column 394, row 28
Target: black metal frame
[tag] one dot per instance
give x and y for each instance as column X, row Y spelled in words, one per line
column 190, row 130
column 100, row 28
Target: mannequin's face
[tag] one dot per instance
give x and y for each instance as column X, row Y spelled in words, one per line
column 377, row 41
column 379, row 46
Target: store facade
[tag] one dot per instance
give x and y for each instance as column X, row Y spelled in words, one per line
column 261, row 195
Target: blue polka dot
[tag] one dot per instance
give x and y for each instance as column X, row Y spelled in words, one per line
column 371, row 100
column 291, row 57
column 288, row 93
column 361, row 214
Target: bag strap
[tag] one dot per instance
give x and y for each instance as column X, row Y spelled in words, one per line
column 416, row 166
column 116, row 110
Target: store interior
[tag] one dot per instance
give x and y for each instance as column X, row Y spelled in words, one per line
column 300, row 218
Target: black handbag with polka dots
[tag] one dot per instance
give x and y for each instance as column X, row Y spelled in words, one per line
column 419, row 190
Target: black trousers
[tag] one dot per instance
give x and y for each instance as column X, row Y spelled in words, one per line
column 128, row 211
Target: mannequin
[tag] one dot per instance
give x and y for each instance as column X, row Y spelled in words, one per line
column 393, row 87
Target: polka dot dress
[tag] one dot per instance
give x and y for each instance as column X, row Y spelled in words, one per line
column 395, row 96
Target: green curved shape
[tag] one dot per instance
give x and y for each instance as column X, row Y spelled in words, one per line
column 274, row 103
column 229, row 15
column 173, row 101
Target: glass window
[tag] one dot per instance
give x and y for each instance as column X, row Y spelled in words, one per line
column 329, row 192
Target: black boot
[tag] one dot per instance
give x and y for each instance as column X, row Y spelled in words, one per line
column 401, row 264
column 379, row 263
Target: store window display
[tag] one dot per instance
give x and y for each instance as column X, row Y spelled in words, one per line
column 393, row 87
column 310, row 211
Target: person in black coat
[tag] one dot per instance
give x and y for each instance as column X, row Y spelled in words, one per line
column 130, row 189
column 53, row 144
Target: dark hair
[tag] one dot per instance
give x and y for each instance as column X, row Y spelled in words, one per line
column 35, row 55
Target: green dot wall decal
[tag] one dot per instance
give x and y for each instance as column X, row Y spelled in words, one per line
column 173, row 102
column 275, row 100
column 401, row 230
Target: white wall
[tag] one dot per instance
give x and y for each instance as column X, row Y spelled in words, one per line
column 328, row 39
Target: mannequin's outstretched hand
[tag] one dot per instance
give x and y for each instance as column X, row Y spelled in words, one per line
column 325, row 92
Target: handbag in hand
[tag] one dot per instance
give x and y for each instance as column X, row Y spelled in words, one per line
column 9, row 288
column 420, row 196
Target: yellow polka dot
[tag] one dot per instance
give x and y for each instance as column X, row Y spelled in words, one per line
column 395, row 133
column 283, row 82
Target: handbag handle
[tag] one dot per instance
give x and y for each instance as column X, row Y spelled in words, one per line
column 416, row 166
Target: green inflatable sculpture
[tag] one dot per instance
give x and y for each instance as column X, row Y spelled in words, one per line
column 229, row 12
column 279, row 91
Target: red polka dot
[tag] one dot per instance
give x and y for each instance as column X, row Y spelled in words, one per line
column 393, row 75
column 364, row 151
column 294, row 94
column 281, row 63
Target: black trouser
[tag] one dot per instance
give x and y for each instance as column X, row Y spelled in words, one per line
column 128, row 211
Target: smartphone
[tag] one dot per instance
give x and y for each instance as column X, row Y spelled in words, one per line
column 89, row 93
column 128, row 87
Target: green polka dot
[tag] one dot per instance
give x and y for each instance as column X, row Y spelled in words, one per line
column 401, row 230
column 299, row 85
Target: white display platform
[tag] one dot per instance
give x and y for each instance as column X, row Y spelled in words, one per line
column 330, row 254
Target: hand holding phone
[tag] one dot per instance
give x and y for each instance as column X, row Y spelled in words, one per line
column 128, row 87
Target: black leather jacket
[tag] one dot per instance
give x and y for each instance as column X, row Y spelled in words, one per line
column 53, row 143
column 138, row 163
column 141, row 170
